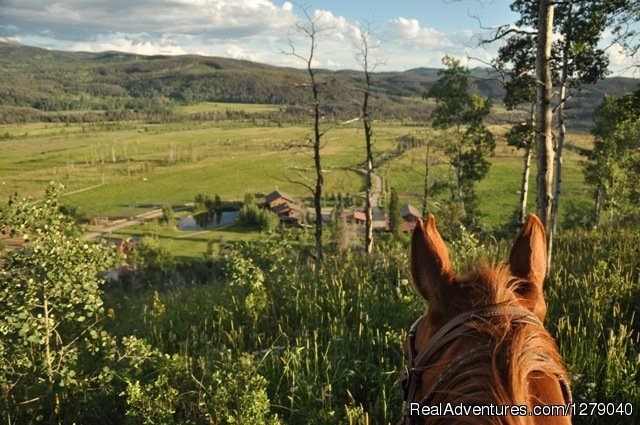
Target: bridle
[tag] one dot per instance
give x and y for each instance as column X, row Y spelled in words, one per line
column 456, row 327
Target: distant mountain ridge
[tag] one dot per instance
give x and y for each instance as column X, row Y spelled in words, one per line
column 38, row 80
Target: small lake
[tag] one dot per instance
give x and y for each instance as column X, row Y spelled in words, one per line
column 205, row 221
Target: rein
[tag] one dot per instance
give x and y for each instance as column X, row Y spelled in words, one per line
column 456, row 327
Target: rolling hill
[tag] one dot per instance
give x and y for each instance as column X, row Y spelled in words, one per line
column 40, row 84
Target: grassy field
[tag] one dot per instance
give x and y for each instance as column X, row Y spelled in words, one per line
column 188, row 244
column 125, row 168
column 499, row 192
column 222, row 107
column 118, row 169
column 329, row 348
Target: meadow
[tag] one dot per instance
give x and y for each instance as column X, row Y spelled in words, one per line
column 116, row 171
column 123, row 168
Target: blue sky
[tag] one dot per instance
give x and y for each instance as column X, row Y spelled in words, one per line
column 407, row 33
column 447, row 16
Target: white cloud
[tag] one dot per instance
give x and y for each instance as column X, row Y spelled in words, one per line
column 238, row 52
column 410, row 33
column 68, row 18
column 248, row 16
column 333, row 64
column 466, row 34
column 138, row 44
column 336, row 39
column 617, row 55
column 621, row 63
column 325, row 19
column 12, row 39
column 256, row 30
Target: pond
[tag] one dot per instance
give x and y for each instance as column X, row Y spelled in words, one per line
column 205, row 220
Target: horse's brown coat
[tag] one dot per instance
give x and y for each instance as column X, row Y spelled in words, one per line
column 524, row 367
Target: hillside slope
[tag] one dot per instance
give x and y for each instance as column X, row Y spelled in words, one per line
column 37, row 80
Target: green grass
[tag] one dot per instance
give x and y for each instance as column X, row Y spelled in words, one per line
column 319, row 339
column 250, row 108
column 172, row 163
column 188, row 244
column 330, row 347
column 499, row 192
column 118, row 169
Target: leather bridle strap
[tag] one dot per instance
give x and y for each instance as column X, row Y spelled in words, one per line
column 460, row 361
column 453, row 329
column 457, row 327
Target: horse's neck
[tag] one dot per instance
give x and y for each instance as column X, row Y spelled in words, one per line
column 545, row 390
column 538, row 389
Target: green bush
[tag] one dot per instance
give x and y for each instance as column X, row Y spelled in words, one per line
column 177, row 389
column 52, row 343
column 251, row 215
column 167, row 215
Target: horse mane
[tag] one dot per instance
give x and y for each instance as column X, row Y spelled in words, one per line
column 515, row 351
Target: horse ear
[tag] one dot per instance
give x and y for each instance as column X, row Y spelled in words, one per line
column 528, row 258
column 430, row 264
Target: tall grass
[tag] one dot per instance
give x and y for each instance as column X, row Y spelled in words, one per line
column 594, row 300
column 329, row 347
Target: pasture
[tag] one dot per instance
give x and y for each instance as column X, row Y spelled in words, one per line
column 118, row 169
column 124, row 168
column 249, row 108
column 129, row 166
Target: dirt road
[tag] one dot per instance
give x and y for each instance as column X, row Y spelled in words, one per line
column 131, row 221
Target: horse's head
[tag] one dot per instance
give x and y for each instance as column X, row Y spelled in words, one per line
column 518, row 284
column 482, row 338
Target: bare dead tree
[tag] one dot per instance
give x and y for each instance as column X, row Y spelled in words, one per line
column 309, row 30
column 363, row 56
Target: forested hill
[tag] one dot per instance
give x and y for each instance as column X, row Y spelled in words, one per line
column 36, row 82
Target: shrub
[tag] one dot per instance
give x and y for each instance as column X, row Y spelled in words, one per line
column 249, row 215
column 52, row 344
column 253, row 216
column 153, row 264
column 268, row 221
column 199, row 202
column 167, row 215
column 163, row 389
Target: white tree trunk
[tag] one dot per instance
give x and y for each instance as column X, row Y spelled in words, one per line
column 544, row 112
column 425, row 198
column 524, row 189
